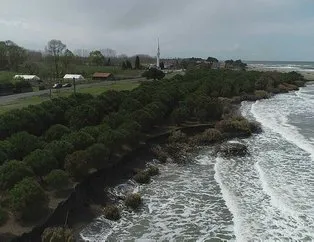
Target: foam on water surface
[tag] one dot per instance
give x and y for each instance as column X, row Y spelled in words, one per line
column 265, row 196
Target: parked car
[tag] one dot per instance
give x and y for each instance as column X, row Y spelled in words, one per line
column 67, row 85
column 57, row 85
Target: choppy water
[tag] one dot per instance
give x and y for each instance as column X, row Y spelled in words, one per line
column 286, row 66
column 267, row 196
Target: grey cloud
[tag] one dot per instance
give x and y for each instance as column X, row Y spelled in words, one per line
column 221, row 27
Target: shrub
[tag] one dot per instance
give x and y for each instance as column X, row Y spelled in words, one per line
column 133, row 201
column 55, row 132
column 3, row 157
column 153, row 170
column 81, row 116
column 112, row 212
column 235, row 125
column 177, row 136
column 180, row 115
column 98, row 154
column 92, row 130
column 59, row 149
column 80, row 140
column 57, row 234
column 261, row 94
column 7, row 149
column 23, row 143
column 142, row 177
column 41, row 87
column 57, row 179
column 76, row 164
column 27, row 200
column 41, row 161
column 12, row 172
column 153, row 73
column 209, row 136
column 3, row 216
column 161, row 155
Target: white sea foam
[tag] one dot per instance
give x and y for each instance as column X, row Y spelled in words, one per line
column 277, row 121
column 276, row 200
column 267, row 196
column 183, row 203
column 230, row 199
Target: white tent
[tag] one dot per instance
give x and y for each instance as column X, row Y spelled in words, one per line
column 77, row 77
column 27, row 77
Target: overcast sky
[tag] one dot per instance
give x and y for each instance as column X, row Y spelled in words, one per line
column 246, row 29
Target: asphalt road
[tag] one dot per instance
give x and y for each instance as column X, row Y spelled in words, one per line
column 12, row 98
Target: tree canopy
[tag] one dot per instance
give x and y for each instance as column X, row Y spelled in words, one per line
column 154, row 73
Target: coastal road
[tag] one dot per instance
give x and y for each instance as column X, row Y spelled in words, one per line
column 11, row 98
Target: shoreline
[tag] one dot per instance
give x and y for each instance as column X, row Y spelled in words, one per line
column 92, row 187
column 225, row 140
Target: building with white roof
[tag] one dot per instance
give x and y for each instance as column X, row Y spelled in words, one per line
column 27, row 77
column 77, row 77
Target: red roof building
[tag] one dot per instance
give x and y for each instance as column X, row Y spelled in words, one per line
column 102, row 76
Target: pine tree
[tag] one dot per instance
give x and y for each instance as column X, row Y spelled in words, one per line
column 124, row 65
column 128, row 64
column 137, row 63
column 109, row 62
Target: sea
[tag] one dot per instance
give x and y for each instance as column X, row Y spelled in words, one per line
column 285, row 66
column 267, row 195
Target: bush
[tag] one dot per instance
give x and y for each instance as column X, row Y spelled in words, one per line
column 41, row 87
column 3, row 157
column 76, row 164
column 27, row 200
column 261, row 94
column 3, row 216
column 81, row 116
column 142, row 177
column 180, row 115
column 133, row 201
column 209, row 136
column 80, row 140
column 57, row 234
column 177, row 137
column 153, row 73
column 98, row 154
column 7, row 149
column 234, row 126
column 23, row 143
column 41, row 161
column 92, row 131
column 56, row 131
column 161, row 155
column 153, row 170
column 59, row 149
column 112, row 212
column 57, row 179
column 12, row 172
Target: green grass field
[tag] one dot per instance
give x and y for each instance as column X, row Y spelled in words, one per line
column 94, row 90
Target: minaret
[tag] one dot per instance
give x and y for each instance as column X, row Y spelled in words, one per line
column 158, row 55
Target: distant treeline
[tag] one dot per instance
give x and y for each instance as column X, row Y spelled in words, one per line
column 57, row 60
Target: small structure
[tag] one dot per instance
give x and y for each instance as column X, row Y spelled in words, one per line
column 77, row 77
column 102, row 76
column 27, row 77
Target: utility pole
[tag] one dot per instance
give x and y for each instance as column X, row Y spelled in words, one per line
column 74, row 86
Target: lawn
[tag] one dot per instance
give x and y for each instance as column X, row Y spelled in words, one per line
column 94, row 90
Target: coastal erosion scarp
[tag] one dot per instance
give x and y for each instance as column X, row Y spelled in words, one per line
column 78, row 209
